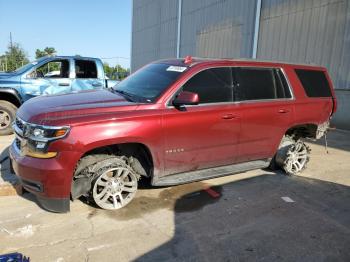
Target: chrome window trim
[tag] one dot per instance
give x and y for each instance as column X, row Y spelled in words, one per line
column 168, row 105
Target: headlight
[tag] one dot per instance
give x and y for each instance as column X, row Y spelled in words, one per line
column 35, row 139
column 46, row 133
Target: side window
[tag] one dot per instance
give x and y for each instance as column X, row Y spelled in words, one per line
column 52, row 69
column 314, row 82
column 282, row 87
column 212, row 85
column 260, row 84
column 85, row 69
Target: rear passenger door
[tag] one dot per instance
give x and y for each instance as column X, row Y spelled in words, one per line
column 204, row 135
column 87, row 76
column 266, row 104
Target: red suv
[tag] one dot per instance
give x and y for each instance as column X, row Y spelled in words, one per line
column 173, row 121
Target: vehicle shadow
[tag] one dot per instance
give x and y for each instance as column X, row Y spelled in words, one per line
column 251, row 222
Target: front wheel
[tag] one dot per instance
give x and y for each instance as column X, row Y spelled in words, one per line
column 115, row 184
column 7, row 116
column 292, row 155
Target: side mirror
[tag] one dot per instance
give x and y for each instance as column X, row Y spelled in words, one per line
column 186, row 98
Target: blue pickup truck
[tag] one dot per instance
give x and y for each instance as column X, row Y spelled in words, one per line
column 48, row 76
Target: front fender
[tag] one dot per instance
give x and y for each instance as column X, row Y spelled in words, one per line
column 85, row 138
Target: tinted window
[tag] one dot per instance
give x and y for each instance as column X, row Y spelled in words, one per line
column 212, row 85
column 282, row 87
column 314, row 82
column 149, row 82
column 85, row 69
column 259, row 84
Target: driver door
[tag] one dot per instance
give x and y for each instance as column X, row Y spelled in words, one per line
column 49, row 78
column 204, row 135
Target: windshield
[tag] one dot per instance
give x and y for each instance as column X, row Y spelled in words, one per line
column 28, row 66
column 150, row 82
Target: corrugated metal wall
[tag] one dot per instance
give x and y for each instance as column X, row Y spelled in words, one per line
column 316, row 31
column 154, row 28
column 209, row 28
column 217, row 28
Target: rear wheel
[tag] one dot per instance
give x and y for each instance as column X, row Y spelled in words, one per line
column 292, row 155
column 7, row 116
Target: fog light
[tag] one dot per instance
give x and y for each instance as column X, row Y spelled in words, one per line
column 40, row 145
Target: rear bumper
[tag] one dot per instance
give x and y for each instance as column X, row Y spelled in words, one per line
column 48, row 179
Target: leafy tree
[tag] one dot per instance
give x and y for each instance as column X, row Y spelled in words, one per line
column 52, row 66
column 116, row 73
column 14, row 57
column 46, row 52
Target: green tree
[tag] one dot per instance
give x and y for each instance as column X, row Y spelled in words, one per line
column 116, row 73
column 14, row 57
column 108, row 70
column 46, row 52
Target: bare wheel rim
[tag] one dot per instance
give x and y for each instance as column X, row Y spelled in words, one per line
column 297, row 157
column 115, row 188
column 5, row 119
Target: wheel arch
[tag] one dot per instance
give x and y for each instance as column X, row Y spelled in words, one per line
column 307, row 130
column 127, row 148
column 138, row 154
column 10, row 95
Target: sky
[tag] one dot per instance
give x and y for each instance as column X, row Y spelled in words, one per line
column 96, row 28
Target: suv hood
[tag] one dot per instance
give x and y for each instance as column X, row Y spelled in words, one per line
column 4, row 75
column 66, row 108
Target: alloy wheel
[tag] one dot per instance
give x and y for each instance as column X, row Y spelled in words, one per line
column 115, row 188
column 296, row 158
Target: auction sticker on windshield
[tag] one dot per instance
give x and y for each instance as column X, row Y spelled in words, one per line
column 176, row 68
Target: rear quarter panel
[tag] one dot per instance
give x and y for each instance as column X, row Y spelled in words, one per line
column 308, row 110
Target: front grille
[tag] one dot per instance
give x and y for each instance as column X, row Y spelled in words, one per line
column 19, row 124
column 18, row 143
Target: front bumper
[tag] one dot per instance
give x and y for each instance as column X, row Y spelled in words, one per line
column 48, row 179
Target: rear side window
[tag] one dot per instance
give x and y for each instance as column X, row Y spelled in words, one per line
column 314, row 82
column 260, row 84
column 85, row 69
column 212, row 85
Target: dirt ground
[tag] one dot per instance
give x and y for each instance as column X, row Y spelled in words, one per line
column 258, row 216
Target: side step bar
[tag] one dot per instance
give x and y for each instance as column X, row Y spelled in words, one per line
column 192, row 176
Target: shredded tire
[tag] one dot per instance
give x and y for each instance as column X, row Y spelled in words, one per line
column 292, row 156
column 91, row 167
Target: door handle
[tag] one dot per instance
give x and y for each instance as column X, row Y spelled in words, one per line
column 283, row 111
column 63, row 84
column 229, row 116
column 96, row 84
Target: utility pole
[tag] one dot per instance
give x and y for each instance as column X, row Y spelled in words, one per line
column 11, row 44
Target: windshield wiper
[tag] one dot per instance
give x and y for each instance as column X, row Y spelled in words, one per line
column 127, row 95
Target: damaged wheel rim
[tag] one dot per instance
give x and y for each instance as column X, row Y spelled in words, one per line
column 5, row 119
column 115, row 188
column 297, row 157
